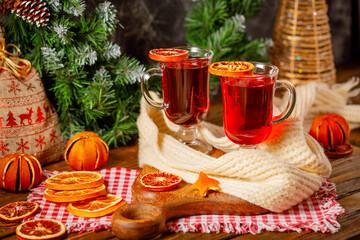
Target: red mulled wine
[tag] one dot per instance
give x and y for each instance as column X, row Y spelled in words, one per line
column 248, row 108
column 186, row 91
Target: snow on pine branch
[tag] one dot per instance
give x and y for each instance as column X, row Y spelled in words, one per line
column 55, row 5
column 52, row 59
column 107, row 13
column 74, row 7
column 85, row 55
column 128, row 71
column 111, row 51
column 61, row 29
column 102, row 76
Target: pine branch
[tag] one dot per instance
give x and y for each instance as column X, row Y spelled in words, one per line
column 17, row 30
column 84, row 55
column 110, row 51
column 125, row 124
column 55, row 5
column 220, row 26
column 74, row 7
column 98, row 99
column 38, row 40
column 204, row 19
column 255, row 50
column 95, row 87
column 247, row 8
column 226, row 37
column 92, row 30
column 61, row 29
column 107, row 13
column 71, row 123
column 127, row 71
column 53, row 59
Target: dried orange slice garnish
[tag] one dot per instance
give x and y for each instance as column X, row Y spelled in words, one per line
column 204, row 184
column 96, row 207
column 74, row 195
column 41, row 229
column 17, row 211
column 168, row 54
column 74, row 180
column 160, row 181
column 231, row 69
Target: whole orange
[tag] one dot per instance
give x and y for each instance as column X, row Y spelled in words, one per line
column 86, row 151
column 330, row 130
column 19, row 172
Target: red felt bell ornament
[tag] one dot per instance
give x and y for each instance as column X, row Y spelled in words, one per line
column 332, row 132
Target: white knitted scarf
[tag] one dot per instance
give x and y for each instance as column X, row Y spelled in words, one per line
column 280, row 173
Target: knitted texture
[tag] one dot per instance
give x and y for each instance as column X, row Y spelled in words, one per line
column 280, row 173
column 315, row 99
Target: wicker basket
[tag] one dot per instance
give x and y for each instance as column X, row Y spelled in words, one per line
column 302, row 47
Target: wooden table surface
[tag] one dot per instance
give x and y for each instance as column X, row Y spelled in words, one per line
column 346, row 175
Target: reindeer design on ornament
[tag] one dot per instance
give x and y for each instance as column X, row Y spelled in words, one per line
column 26, row 116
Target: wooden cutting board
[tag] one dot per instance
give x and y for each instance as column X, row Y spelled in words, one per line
column 147, row 216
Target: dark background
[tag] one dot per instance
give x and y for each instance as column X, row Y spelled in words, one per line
column 151, row 24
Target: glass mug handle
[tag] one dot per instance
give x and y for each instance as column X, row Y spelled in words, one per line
column 144, row 87
column 291, row 102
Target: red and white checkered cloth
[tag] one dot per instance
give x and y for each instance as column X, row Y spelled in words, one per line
column 317, row 213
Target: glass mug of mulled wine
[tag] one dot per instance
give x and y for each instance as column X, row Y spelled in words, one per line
column 247, row 91
column 185, row 86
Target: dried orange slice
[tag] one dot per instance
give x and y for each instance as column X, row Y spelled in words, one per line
column 168, row 54
column 96, row 207
column 74, row 180
column 231, row 69
column 74, row 195
column 17, row 211
column 41, row 229
column 160, row 181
